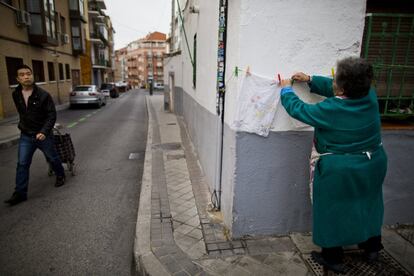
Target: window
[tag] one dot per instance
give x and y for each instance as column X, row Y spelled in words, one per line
column 76, row 38
column 67, row 69
column 38, row 71
column 12, row 64
column 62, row 25
column 43, row 29
column 50, row 18
column 387, row 44
column 195, row 61
column 51, row 71
column 61, row 73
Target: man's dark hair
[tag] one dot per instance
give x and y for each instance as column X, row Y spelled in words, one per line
column 23, row 66
column 354, row 75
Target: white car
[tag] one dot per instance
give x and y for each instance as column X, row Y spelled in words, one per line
column 158, row 86
column 87, row 94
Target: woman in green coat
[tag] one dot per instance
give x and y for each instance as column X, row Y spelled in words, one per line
column 347, row 188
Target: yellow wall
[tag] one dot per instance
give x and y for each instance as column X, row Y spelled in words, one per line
column 86, row 65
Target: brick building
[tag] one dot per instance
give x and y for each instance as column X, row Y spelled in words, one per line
column 143, row 60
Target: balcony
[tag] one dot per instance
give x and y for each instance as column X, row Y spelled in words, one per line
column 77, row 10
column 98, row 3
column 100, row 63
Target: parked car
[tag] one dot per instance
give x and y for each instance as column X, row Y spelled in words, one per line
column 87, row 94
column 110, row 90
column 123, row 86
column 158, row 86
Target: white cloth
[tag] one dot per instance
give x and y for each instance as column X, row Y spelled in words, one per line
column 257, row 102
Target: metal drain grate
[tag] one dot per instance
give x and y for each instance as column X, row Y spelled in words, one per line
column 355, row 265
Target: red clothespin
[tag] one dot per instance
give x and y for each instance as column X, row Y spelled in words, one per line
column 278, row 77
column 248, row 71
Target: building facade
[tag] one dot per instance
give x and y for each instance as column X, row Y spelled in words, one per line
column 121, row 68
column 142, row 60
column 261, row 184
column 101, row 43
column 38, row 34
column 58, row 40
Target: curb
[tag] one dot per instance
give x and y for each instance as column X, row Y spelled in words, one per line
column 145, row 260
column 9, row 142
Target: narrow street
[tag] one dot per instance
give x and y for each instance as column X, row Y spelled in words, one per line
column 87, row 226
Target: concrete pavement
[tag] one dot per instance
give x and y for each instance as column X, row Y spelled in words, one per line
column 176, row 233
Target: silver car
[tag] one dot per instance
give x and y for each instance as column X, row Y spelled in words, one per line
column 87, row 94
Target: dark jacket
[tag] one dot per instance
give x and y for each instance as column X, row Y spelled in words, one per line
column 40, row 114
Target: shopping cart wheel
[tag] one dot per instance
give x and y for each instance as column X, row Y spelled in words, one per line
column 50, row 171
column 71, row 167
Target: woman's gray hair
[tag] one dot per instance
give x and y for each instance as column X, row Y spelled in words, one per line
column 354, row 75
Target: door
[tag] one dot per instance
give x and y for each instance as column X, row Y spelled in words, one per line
column 75, row 78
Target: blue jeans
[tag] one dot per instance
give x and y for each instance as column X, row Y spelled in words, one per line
column 27, row 146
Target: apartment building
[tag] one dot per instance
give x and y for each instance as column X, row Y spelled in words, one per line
column 121, row 69
column 101, row 43
column 46, row 35
column 144, row 59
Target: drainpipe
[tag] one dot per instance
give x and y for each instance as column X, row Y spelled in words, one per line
column 221, row 89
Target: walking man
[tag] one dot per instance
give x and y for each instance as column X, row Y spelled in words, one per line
column 37, row 117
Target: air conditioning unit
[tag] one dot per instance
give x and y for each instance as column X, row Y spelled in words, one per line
column 23, row 18
column 65, row 38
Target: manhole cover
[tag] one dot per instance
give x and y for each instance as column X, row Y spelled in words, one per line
column 355, row 265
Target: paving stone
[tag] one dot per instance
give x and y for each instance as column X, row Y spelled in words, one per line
column 184, row 229
column 185, row 242
column 195, row 233
column 399, row 248
column 195, row 221
column 171, row 264
column 181, row 273
column 252, row 267
column 304, row 242
column 197, row 251
column 215, row 266
column 286, row 263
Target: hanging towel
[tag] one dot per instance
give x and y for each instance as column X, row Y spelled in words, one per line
column 257, row 102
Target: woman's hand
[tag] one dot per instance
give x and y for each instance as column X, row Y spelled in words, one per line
column 285, row 82
column 301, row 77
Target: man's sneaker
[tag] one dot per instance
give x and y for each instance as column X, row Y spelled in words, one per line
column 60, row 181
column 16, row 198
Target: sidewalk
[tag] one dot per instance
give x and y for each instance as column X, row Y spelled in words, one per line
column 9, row 133
column 176, row 235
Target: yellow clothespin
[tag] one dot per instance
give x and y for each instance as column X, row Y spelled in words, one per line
column 333, row 73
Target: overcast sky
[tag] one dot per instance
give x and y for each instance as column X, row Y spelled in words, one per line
column 133, row 19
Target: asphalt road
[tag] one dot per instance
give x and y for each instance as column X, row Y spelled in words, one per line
column 87, row 226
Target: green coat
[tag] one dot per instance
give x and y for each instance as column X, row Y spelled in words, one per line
column 348, row 205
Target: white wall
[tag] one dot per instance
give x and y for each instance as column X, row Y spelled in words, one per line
column 205, row 24
column 277, row 36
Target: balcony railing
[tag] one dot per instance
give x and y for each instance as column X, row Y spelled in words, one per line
column 101, row 62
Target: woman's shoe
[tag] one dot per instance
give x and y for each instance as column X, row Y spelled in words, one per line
column 371, row 257
column 337, row 268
